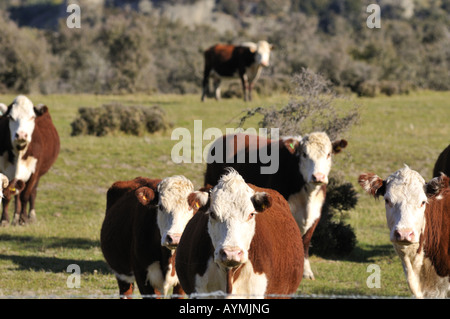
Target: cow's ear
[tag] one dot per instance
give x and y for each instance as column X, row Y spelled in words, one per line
column 291, row 145
column 339, row 145
column 372, row 184
column 261, row 201
column 19, row 185
column 3, row 108
column 436, row 186
column 4, row 181
column 40, row 109
column 198, row 199
column 146, row 195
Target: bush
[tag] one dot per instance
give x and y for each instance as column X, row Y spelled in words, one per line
column 332, row 236
column 111, row 118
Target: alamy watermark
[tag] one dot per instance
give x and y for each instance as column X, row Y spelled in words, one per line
column 214, row 151
column 73, row 280
column 373, row 20
column 74, row 19
column 374, row 279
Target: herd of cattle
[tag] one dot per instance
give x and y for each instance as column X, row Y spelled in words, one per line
column 243, row 233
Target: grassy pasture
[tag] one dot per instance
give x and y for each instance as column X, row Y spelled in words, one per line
column 411, row 129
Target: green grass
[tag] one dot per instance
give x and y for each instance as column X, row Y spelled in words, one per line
column 411, row 129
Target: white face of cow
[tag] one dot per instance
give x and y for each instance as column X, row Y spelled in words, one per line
column 4, row 182
column 231, row 225
column 405, row 199
column 173, row 210
column 262, row 56
column 21, row 122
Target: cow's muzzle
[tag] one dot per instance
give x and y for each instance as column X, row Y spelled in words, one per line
column 231, row 257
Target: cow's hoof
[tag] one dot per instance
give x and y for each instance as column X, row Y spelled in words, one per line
column 5, row 223
column 308, row 275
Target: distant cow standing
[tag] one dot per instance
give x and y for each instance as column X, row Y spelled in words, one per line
column 143, row 224
column 418, row 217
column 28, row 148
column 226, row 60
column 302, row 175
column 442, row 164
column 243, row 241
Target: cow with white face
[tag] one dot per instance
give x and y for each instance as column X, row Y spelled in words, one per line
column 233, row 243
column 28, row 148
column 143, row 224
column 226, row 61
column 303, row 166
column 418, row 218
column 4, row 182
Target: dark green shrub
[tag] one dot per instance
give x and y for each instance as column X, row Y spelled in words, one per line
column 111, row 118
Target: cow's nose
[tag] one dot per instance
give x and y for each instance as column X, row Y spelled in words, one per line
column 21, row 136
column 173, row 239
column 231, row 256
column 404, row 235
column 318, row 178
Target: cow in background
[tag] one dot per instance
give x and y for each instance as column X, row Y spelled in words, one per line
column 442, row 164
column 28, row 148
column 143, row 224
column 418, row 218
column 301, row 177
column 227, row 60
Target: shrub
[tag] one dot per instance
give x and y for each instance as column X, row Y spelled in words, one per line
column 332, row 236
column 111, row 118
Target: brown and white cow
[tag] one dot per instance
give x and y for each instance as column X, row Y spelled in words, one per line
column 243, row 241
column 300, row 174
column 442, row 164
column 28, row 148
column 143, row 224
column 4, row 182
column 418, row 217
column 227, row 60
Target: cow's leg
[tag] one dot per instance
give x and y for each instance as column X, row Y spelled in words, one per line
column 217, row 92
column 5, row 214
column 178, row 292
column 17, row 210
column 307, row 271
column 145, row 288
column 25, row 197
column 126, row 289
column 32, row 212
column 205, row 91
column 250, row 87
column 244, row 81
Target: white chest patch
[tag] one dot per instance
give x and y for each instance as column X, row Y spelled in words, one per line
column 306, row 207
column 248, row 284
column 421, row 276
column 160, row 281
column 20, row 169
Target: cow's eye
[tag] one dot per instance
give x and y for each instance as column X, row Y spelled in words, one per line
column 388, row 202
column 213, row 215
column 329, row 155
column 423, row 203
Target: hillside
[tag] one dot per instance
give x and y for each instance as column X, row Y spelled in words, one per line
column 156, row 46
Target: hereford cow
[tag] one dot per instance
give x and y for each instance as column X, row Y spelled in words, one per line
column 243, row 241
column 226, row 60
column 418, row 217
column 4, row 182
column 28, row 148
column 142, row 227
column 301, row 177
column 442, row 164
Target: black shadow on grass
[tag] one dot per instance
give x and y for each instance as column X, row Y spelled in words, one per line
column 364, row 254
column 30, row 242
column 55, row 264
